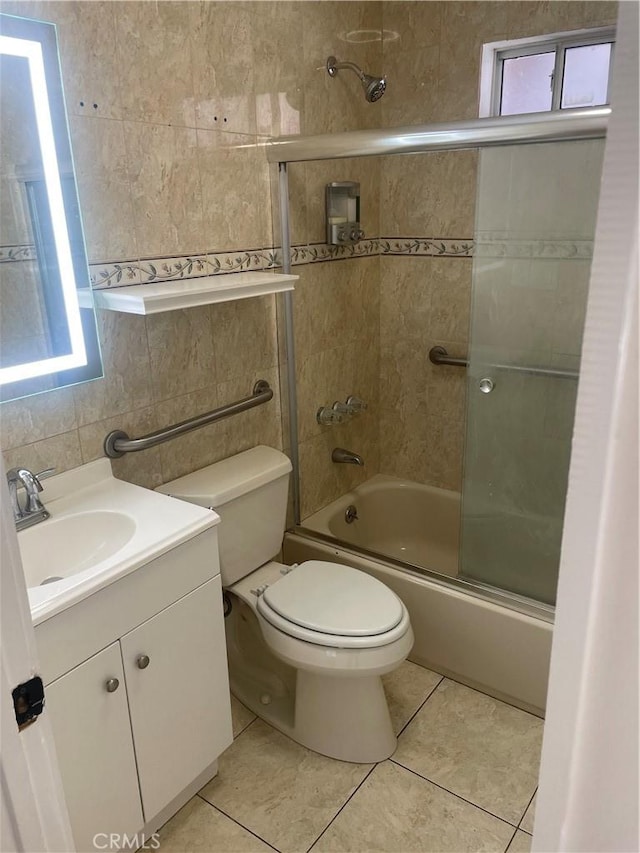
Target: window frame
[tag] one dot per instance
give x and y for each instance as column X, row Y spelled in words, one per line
column 494, row 54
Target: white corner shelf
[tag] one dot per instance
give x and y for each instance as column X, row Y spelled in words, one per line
column 173, row 295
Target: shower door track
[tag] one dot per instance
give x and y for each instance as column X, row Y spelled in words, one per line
column 559, row 126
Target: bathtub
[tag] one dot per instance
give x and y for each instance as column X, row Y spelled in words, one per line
column 403, row 520
column 494, row 642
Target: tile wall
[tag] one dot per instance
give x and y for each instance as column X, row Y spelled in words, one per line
column 168, row 103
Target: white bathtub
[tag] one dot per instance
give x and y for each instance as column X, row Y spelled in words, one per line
column 460, row 632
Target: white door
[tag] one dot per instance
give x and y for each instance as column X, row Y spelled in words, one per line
column 179, row 699
column 91, row 728
column 33, row 815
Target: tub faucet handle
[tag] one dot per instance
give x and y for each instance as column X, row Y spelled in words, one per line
column 326, row 416
column 355, row 405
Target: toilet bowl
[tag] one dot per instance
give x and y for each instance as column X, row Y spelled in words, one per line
column 306, row 644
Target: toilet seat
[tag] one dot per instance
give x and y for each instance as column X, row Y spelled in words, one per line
column 330, row 604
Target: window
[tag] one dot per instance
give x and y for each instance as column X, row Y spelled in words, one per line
column 555, row 72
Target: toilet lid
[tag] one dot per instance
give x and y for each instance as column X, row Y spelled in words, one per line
column 334, row 599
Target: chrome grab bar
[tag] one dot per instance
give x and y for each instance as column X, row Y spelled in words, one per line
column 117, row 443
column 439, row 355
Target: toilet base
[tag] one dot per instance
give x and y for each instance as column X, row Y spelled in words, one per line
column 344, row 718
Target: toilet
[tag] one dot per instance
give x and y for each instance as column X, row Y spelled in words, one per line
column 306, row 644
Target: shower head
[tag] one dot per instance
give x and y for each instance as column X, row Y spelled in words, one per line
column 374, row 87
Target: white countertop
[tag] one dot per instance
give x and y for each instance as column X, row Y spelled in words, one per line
column 161, row 524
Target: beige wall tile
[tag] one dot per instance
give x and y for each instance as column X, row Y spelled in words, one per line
column 61, row 452
column 428, row 195
column 278, row 67
column 103, row 189
column 235, row 191
column 35, row 418
column 126, row 384
column 531, row 18
column 88, row 58
column 412, row 95
column 181, row 352
column 153, row 44
column 165, row 188
column 244, row 336
column 410, row 26
column 223, row 65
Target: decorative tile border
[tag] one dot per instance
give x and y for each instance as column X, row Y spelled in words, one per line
column 487, row 247
column 428, row 247
column 123, row 273
column 10, row 254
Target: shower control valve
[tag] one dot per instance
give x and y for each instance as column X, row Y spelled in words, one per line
column 341, row 408
column 355, row 405
column 327, row 417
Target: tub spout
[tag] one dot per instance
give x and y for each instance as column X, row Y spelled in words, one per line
column 341, row 455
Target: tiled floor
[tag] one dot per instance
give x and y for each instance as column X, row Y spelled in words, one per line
column 463, row 778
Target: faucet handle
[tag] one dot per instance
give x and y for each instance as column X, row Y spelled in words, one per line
column 355, row 405
column 44, row 475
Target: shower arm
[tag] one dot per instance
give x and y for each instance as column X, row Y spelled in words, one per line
column 336, row 66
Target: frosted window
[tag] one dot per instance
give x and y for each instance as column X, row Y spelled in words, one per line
column 526, row 83
column 586, row 75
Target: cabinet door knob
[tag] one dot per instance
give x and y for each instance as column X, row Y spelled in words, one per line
column 142, row 661
column 112, row 685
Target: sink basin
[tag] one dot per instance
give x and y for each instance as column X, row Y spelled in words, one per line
column 100, row 530
column 60, row 547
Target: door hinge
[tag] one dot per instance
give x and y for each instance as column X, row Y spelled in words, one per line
column 28, row 701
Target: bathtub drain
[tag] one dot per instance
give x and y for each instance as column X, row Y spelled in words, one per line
column 351, row 514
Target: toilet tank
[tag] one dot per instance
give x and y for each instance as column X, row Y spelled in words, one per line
column 249, row 493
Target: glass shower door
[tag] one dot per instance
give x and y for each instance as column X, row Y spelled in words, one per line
column 535, row 221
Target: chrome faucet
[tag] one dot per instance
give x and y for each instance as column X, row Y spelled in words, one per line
column 33, row 511
column 341, row 455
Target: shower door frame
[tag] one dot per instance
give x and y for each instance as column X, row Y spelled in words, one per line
column 565, row 126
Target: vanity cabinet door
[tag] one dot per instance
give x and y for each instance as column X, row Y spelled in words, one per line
column 178, row 687
column 92, row 733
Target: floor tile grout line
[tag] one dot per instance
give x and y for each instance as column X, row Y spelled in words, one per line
column 237, row 822
column 242, row 731
column 528, row 806
column 424, row 702
column 344, row 805
column 506, row 849
column 453, row 793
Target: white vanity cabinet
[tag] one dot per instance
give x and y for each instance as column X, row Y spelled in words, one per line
column 95, row 748
column 179, row 709
column 140, row 723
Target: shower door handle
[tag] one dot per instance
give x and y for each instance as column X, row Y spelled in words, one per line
column 486, row 385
